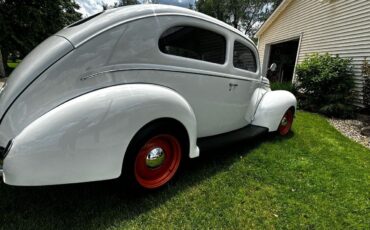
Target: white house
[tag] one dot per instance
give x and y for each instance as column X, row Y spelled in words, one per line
column 298, row 28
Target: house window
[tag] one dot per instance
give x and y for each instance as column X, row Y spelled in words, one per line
column 244, row 57
column 194, row 43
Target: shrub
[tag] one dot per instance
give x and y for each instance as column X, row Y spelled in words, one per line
column 366, row 87
column 325, row 85
column 288, row 86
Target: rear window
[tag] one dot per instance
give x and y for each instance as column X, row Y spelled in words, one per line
column 244, row 57
column 194, row 43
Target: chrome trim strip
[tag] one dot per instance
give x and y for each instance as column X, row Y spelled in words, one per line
column 118, row 68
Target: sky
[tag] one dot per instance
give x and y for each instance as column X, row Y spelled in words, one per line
column 89, row 7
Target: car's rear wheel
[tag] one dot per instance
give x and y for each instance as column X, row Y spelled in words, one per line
column 286, row 123
column 157, row 161
column 154, row 156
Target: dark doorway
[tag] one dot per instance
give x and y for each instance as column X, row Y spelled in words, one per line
column 284, row 55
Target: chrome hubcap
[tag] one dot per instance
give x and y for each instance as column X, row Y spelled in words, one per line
column 284, row 121
column 155, row 158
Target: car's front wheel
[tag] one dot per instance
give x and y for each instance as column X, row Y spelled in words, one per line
column 153, row 157
column 286, row 123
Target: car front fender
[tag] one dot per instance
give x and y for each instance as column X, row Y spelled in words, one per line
column 85, row 139
column 272, row 107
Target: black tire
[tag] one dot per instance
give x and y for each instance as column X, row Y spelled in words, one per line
column 286, row 123
column 161, row 129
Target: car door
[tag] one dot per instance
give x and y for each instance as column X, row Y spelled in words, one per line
column 188, row 55
column 200, row 74
column 246, row 72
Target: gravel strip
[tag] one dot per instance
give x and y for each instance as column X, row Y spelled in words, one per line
column 351, row 129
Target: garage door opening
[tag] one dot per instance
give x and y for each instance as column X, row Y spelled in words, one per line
column 284, row 55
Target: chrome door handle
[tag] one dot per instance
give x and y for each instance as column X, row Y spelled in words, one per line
column 232, row 86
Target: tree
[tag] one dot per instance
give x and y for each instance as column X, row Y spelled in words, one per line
column 120, row 3
column 244, row 15
column 26, row 23
column 105, row 5
column 127, row 2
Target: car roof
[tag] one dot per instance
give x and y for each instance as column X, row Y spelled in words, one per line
column 85, row 29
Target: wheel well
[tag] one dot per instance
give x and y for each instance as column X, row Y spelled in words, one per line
column 293, row 109
column 173, row 123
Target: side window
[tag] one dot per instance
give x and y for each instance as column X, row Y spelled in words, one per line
column 195, row 43
column 244, row 57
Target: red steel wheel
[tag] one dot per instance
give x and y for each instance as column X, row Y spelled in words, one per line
column 286, row 123
column 157, row 161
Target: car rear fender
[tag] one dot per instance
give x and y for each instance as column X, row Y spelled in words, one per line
column 85, row 139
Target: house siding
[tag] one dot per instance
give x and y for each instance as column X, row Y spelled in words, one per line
column 340, row 27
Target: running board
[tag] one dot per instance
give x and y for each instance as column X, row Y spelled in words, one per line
column 220, row 140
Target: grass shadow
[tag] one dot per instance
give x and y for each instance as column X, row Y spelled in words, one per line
column 101, row 204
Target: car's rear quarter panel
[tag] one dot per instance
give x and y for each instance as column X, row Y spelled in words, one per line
column 85, row 139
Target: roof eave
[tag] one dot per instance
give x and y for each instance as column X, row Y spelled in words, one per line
column 273, row 16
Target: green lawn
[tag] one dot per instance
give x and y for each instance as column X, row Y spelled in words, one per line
column 12, row 64
column 313, row 179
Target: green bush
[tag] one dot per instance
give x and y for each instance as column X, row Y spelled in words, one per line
column 325, row 85
column 366, row 87
column 288, row 86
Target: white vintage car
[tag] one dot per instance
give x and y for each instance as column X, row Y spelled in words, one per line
column 133, row 91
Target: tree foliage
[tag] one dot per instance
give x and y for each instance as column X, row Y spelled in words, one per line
column 126, row 3
column 26, row 23
column 244, row 15
column 134, row 2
